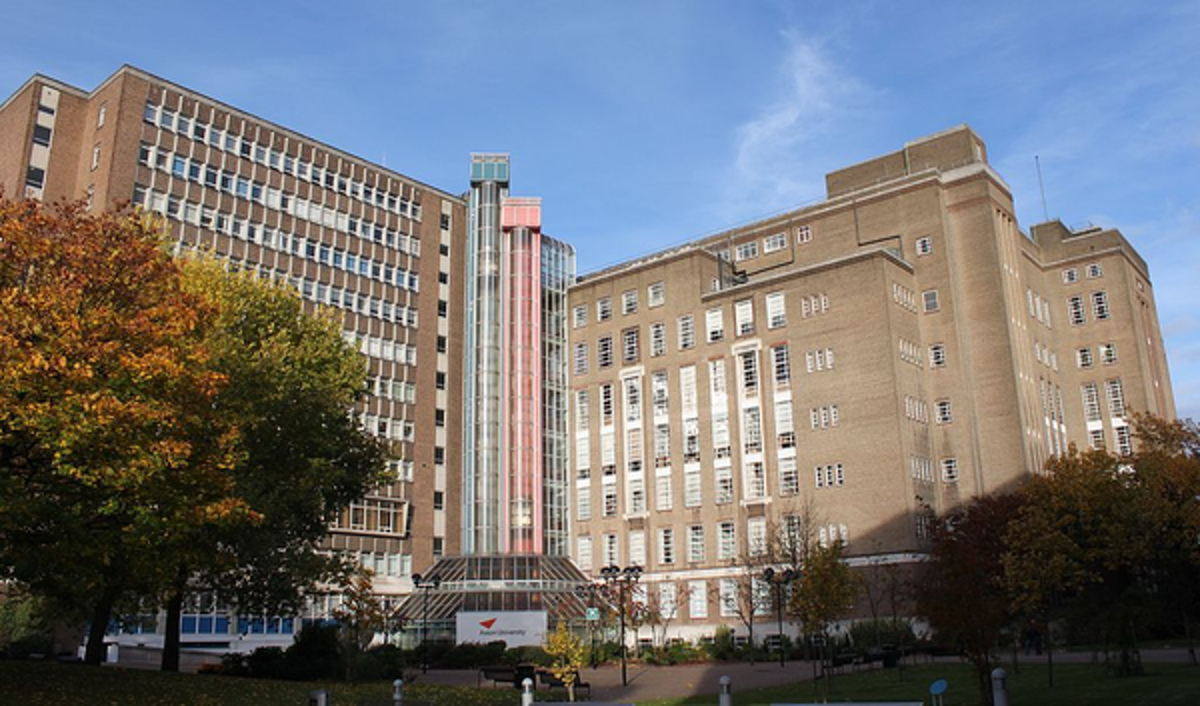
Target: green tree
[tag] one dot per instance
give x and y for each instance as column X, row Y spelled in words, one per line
column 292, row 384
column 961, row 591
column 826, row 591
column 110, row 444
column 566, row 653
column 360, row 617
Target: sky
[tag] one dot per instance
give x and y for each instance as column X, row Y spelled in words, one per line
column 643, row 123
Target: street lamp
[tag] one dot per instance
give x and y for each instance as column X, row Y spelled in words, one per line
column 587, row 592
column 623, row 580
column 425, row 585
column 778, row 581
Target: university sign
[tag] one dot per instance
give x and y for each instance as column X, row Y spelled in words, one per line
column 516, row 628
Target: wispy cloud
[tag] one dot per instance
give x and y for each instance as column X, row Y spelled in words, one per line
column 780, row 153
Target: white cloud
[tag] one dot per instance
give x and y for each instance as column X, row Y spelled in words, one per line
column 781, row 152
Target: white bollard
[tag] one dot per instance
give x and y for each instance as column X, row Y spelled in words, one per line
column 726, row 697
column 398, row 692
column 526, row 692
column 999, row 687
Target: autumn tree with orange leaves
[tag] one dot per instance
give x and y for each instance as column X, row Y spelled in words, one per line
column 110, row 445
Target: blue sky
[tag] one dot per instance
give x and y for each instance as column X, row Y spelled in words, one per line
column 643, row 124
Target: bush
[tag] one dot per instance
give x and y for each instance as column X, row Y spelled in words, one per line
column 722, row 647
column 871, row 634
column 25, row 627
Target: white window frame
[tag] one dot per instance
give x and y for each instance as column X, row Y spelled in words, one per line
column 656, row 294
column 776, row 310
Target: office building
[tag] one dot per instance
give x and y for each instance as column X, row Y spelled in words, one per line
column 899, row 347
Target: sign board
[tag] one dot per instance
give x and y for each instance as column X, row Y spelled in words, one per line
column 516, row 628
column 593, row 614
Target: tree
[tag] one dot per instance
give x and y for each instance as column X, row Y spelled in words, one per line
column 961, row 589
column 359, row 617
column 1077, row 550
column 745, row 594
column 825, row 591
column 566, row 653
column 110, row 444
column 292, row 383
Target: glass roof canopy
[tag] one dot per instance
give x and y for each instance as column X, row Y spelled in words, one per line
column 498, row 583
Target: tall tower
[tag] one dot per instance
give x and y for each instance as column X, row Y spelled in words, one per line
column 514, row 432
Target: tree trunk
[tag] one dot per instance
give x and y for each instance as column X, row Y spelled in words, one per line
column 101, row 614
column 170, row 655
column 1191, row 640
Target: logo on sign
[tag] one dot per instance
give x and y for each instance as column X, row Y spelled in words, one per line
column 488, row 623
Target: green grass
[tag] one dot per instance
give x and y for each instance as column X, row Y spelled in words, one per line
column 1074, row 685
column 37, row 683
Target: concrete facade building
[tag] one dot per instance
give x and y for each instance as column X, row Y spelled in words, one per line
column 898, row 347
column 380, row 247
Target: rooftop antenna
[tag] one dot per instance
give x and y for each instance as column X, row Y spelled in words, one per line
column 1041, row 186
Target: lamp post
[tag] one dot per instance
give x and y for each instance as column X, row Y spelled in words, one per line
column 623, row 580
column 778, row 581
column 587, row 592
column 425, row 585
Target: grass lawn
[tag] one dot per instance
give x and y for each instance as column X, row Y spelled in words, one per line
column 37, row 683
column 1074, row 685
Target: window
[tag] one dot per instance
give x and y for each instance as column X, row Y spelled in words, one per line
column 696, row 551
column 829, row 476
column 666, row 545
column 583, row 552
column 41, row 135
column 629, row 345
column 746, row 251
column 789, row 478
column 924, row 246
column 773, row 243
column 580, row 313
column 1108, row 353
column 752, row 430
column 603, row 309
column 658, row 339
column 606, row 405
column 440, row 381
column 611, row 550
column 1100, row 305
column 1096, row 438
column 930, row 298
column 1083, row 357
column 949, row 470
column 35, row 177
column 95, row 155
column 726, row 540
column 937, row 355
column 776, row 311
column 943, row 412
column 781, row 366
column 1075, row 311
column 637, row 548
column 662, row 493
column 1070, row 275
column 715, row 323
column 610, row 499
column 583, row 501
column 743, row 315
column 1116, row 397
column 687, row 332
column 756, row 480
column 1094, row 270
column 784, row 430
column 581, row 358
column 604, row 352
column 698, row 599
column 1124, row 440
column 804, row 235
column 723, row 481
column 1091, row 402
column 629, row 302
column 756, row 536
column 748, row 362
column 692, row 496
column 819, row 360
column 656, row 294
column 659, row 393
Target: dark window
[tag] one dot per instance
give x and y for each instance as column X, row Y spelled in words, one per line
column 438, row 544
column 439, row 455
column 444, row 249
column 444, row 278
column 35, row 177
column 442, row 307
column 46, row 109
column 440, row 380
column 439, row 417
column 441, row 344
column 439, row 500
column 41, row 135
column 445, row 221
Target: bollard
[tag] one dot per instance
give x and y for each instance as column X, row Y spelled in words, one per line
column 320, row 697
column 398, row 692
column 726, row 697
column 526, row 692
column 999, row 687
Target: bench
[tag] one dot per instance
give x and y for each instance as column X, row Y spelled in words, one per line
column 550, row 681
column 508, row 675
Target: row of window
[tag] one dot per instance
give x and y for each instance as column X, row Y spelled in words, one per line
column 1077, row 310
column 1105, row 352
column 181, row 167
column 1093, row 270
column 748, row 249
column 922, row 469
column 193, row 128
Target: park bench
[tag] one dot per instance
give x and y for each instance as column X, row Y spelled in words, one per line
column 508, row 675
column 550, row 681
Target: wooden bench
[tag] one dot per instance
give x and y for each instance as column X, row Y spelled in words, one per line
column 550, row 681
